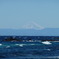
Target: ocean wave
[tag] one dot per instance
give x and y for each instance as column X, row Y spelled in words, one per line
column 7, row 46
column 21, row 45
column 0, row 44
column 46, row 42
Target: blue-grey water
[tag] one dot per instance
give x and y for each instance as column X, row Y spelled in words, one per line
column 29, row 50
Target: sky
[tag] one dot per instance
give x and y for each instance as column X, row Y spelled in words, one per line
column 17, row 13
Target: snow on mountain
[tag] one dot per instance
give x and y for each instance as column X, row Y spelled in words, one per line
column 33, row 25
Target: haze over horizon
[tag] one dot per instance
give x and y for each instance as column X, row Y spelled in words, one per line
column 15, row 14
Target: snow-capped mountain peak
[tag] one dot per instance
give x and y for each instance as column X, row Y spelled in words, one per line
column 33, row 25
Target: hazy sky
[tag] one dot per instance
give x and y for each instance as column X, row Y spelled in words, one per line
column 17, row 13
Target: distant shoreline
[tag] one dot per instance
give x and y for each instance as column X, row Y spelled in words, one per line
column 29, row 38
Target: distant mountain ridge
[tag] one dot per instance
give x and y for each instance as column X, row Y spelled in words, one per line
column 30, row 32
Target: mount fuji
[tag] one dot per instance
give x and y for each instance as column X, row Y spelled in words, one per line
column 30, row 30
column 33, row 25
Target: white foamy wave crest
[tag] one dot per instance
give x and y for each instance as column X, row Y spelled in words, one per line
column 23, row 44
column 32, row 44
column 0, row 44
column 7, row 46
column 46, row 42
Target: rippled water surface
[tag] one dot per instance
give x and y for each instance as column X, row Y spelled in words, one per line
column 29, row 50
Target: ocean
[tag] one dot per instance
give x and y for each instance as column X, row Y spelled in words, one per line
column 29, row 50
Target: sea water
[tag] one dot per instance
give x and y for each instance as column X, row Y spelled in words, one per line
column 29, row 50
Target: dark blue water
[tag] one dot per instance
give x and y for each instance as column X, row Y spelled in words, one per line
column 29, row 50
